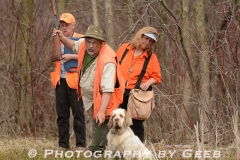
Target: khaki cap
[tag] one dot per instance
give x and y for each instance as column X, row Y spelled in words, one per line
column 94, row 31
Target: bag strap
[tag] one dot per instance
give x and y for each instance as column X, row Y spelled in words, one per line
column 117, row 83
column 137, row 86
column 124, row 54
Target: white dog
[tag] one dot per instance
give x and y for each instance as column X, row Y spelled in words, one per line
column 121, row 139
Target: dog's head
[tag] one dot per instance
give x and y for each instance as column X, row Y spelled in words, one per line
column 119, row 120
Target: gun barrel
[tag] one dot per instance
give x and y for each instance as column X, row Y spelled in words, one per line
column 55, row 12
column 53, row 7
column 56, row 51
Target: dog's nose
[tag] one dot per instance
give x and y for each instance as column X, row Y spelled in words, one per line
column 116, row 119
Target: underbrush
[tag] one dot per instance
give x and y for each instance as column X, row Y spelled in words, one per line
column 46, row 149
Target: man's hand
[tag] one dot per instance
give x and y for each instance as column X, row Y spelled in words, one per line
column 100, row 118
column 55, row 32
column 68, row 57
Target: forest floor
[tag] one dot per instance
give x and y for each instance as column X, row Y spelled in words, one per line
column 46, row 149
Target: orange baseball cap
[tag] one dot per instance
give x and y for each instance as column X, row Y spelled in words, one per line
column 67, row 17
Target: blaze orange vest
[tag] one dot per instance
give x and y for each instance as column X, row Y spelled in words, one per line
column 71, row 77
column 106, row 55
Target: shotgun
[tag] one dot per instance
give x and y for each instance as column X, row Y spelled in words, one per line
column 56, row 50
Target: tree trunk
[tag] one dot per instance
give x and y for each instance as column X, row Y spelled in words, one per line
column 189, row 110
column 95, row 12
column 61, row 7
column 109, row 23
column 204, row 63
column 24, row 65
column 130, row 19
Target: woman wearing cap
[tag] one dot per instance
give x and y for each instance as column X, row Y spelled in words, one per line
column 139, row 48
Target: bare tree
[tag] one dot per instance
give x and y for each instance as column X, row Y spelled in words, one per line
column 61, row 6
column 189, row 111
column 95, row 12
column 204, row 62
column 24, row 65
column 110, row 23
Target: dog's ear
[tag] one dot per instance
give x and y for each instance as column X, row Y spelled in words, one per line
column 110, row 122
column 128, row 119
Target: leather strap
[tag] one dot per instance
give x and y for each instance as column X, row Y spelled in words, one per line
column 137, row 86
column 124, row 54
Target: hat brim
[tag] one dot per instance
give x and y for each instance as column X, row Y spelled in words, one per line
column 151, row 35
column 63, row 20
column 93, row 36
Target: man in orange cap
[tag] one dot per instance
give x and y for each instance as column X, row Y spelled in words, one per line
column 65, row 85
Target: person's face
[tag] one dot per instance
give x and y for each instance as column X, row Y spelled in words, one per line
column 146, row 42
column 93, row 46
column 67, row 28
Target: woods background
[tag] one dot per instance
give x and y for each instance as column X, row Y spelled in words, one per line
column 198, row 50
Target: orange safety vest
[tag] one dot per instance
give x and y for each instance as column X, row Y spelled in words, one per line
column 71, row 77
column 106, row 55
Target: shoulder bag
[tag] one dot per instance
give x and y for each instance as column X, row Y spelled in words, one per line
column 140, row 103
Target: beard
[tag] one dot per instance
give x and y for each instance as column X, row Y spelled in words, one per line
column 91, row 53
